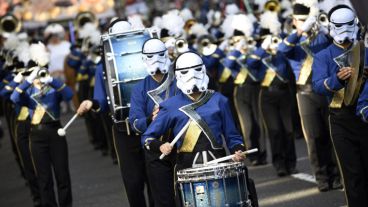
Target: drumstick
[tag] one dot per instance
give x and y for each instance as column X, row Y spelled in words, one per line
column 61, row 132
column 177, row 137
column 231, row 156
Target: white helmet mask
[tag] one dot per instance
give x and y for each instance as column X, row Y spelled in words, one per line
column 120, row 27
column 155, row 56
column 343, row 25
column 190, row 73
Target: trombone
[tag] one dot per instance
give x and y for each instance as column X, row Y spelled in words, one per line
column 181, row 46
column 84, row 17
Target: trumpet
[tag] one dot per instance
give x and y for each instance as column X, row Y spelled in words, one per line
column 9, row 24
column 322, row 20
column 206, row 45
column 275, row 41
column 181, row 46
column 188, row 25
column 43, row 72
column 84, row 17
column 272, row 6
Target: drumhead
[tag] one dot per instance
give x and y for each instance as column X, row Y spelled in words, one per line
column 210, row 172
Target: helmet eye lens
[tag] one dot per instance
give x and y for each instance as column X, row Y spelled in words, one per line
column 198, row 69
column 338, row 25
column 183, row 72
column 149, row 56
column 161, row 54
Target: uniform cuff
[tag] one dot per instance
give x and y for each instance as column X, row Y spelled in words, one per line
column 154, row 145
column 237, row 148
column 95, row 106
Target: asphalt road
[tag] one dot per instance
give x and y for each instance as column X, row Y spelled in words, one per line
column 97, row 182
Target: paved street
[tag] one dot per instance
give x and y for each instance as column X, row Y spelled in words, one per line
column 97, row 182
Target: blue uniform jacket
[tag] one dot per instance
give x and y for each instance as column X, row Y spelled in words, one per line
column 215, row 112
column 99, row 93
column 141, row 104
column 7, row 91
column 362, row 107
column 325, row 81
column 292, row 50
column 51, row 100
column 254, row 62
column 75, row 57
column 212, row 62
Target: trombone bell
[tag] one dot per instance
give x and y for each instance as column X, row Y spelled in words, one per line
column 181, row 46
column 206, row 45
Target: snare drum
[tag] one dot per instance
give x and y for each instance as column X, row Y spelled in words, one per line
column 224, row 184
column 123, row 69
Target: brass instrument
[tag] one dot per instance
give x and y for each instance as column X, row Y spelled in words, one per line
column 181, row 46
column 9, row 24
column 84, row 17
column 206, row 45
column 43, row 72
column 322, row 20
column 353, row 58
column 188, row 25
column 272, row 6
column 275, row 41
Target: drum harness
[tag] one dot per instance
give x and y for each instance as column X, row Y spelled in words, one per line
column 189, row 110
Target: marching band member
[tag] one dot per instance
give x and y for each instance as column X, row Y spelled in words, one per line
column 129, row 152
column 300, row 47
column 275, row 95
column 348, row 132
column 42, row 94
column 148, row 94
column 246, row 88
column 22, row 124
column 205, row 112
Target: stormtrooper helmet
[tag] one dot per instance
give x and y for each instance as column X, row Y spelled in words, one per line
column 119, row 26
column 343, row 24
column 155, row 56
column 190, row 73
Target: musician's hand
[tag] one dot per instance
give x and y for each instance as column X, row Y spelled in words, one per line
column 308, row 24
column 345, row 73
column 166, row 148
column 156, row 109
column 239, row 156
column 84, row 107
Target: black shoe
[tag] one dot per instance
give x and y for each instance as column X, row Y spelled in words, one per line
column 323, row 186
column 336, row 184
column 281, row 172
column 292, row 171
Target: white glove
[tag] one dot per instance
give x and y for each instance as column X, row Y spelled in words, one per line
column 33, row 75
column 223, row 45
column 308, row 24
column 240, row 45
column 18, row 78
column 266, row 42
column 46, row 80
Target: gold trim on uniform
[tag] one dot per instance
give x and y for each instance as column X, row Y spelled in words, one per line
column 61, row 88
column 9, row 88
column 327, row 87
column 23, row 114
column 215, row 55
column 5, row 81
column 362, row 113
column 288, row 43
column 241, row 77
column 38, row 114
column 305, row 71
column 253, row 56
column 338, row 99
column 18, row 90
column 226, row 73
column 269, row 77
column 191, row 137
column 231, row 57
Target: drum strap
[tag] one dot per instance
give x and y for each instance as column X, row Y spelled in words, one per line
column 189, row 110
column 165, row 86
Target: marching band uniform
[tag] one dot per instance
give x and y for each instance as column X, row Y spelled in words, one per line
column 313, row 108
column 206, row 120
column 129, row 152
column 147, row 94
column 348, row 132
column 47, row 148
column 362, row 106
column 276, row 110
column 22, row 127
